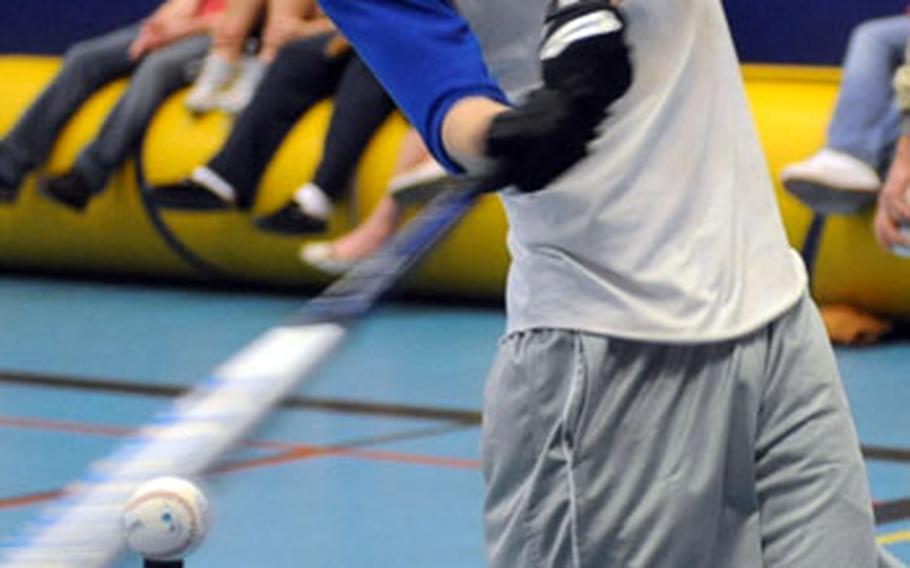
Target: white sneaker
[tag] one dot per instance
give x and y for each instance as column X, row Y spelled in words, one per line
column 322, row 257
column 409, row 187
column 215, row 75
column 313, row 201
column 425, row 171
column 241, row 91
column 832, row 182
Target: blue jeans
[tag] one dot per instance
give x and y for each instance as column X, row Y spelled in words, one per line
column 866, row 122
column 88, row 66
column 158, row 75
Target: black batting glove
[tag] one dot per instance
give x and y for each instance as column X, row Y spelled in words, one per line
column 586, row 68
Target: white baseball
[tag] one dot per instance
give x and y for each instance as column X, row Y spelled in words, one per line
column 166, row 518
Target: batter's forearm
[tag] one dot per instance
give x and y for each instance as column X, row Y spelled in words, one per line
column 465, row 128
column 427, row 58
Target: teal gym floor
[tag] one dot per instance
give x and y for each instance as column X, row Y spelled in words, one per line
column 373, row 463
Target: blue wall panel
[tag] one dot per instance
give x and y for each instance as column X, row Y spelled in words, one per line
column 800, row 31
column 49, row 26
column 778, row 31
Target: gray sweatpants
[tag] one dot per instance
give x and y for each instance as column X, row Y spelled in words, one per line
column 600, row 452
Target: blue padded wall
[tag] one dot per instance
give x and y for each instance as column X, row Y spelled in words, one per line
column 772, row 31
column 800, row 31
column 50, row 26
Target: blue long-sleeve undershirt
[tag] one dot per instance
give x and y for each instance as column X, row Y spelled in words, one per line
column 423, row 53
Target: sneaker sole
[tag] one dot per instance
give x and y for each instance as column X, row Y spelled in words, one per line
column 8, row 196
column 77, row 205
column 281, row 229
column 830, row 200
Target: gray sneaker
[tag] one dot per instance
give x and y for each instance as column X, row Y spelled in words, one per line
column 216, row 74
column 241, row 91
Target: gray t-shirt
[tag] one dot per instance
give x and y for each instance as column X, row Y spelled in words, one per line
column 669, row 230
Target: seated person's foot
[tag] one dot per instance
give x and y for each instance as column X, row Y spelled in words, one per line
column 8, row 192
column 11, row 173
column 337, row 257
column 322, row 257
column 340, row 255
column 832, row 182
column 71, row 190
column 414, row 186
column 291, row 219
column 202, row 191
column 241, row 91
column 215, row 75
column 307, row 212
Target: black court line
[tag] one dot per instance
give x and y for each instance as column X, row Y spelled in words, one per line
column 885, row 512
column 878, row 453
column 459, row 416
column 892, row 511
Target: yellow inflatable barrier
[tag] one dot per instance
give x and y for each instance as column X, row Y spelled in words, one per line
column 117, row 234
column 792, row 107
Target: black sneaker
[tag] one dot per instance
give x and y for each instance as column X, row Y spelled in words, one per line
column 71, row 190
column 9, row 180
column 290, row 220
column 188, row 195
column 8, row 194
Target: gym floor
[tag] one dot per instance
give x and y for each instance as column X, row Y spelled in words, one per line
column 374, row 462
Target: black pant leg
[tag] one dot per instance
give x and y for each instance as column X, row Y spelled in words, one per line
column 300, row 77
column 361, row 106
